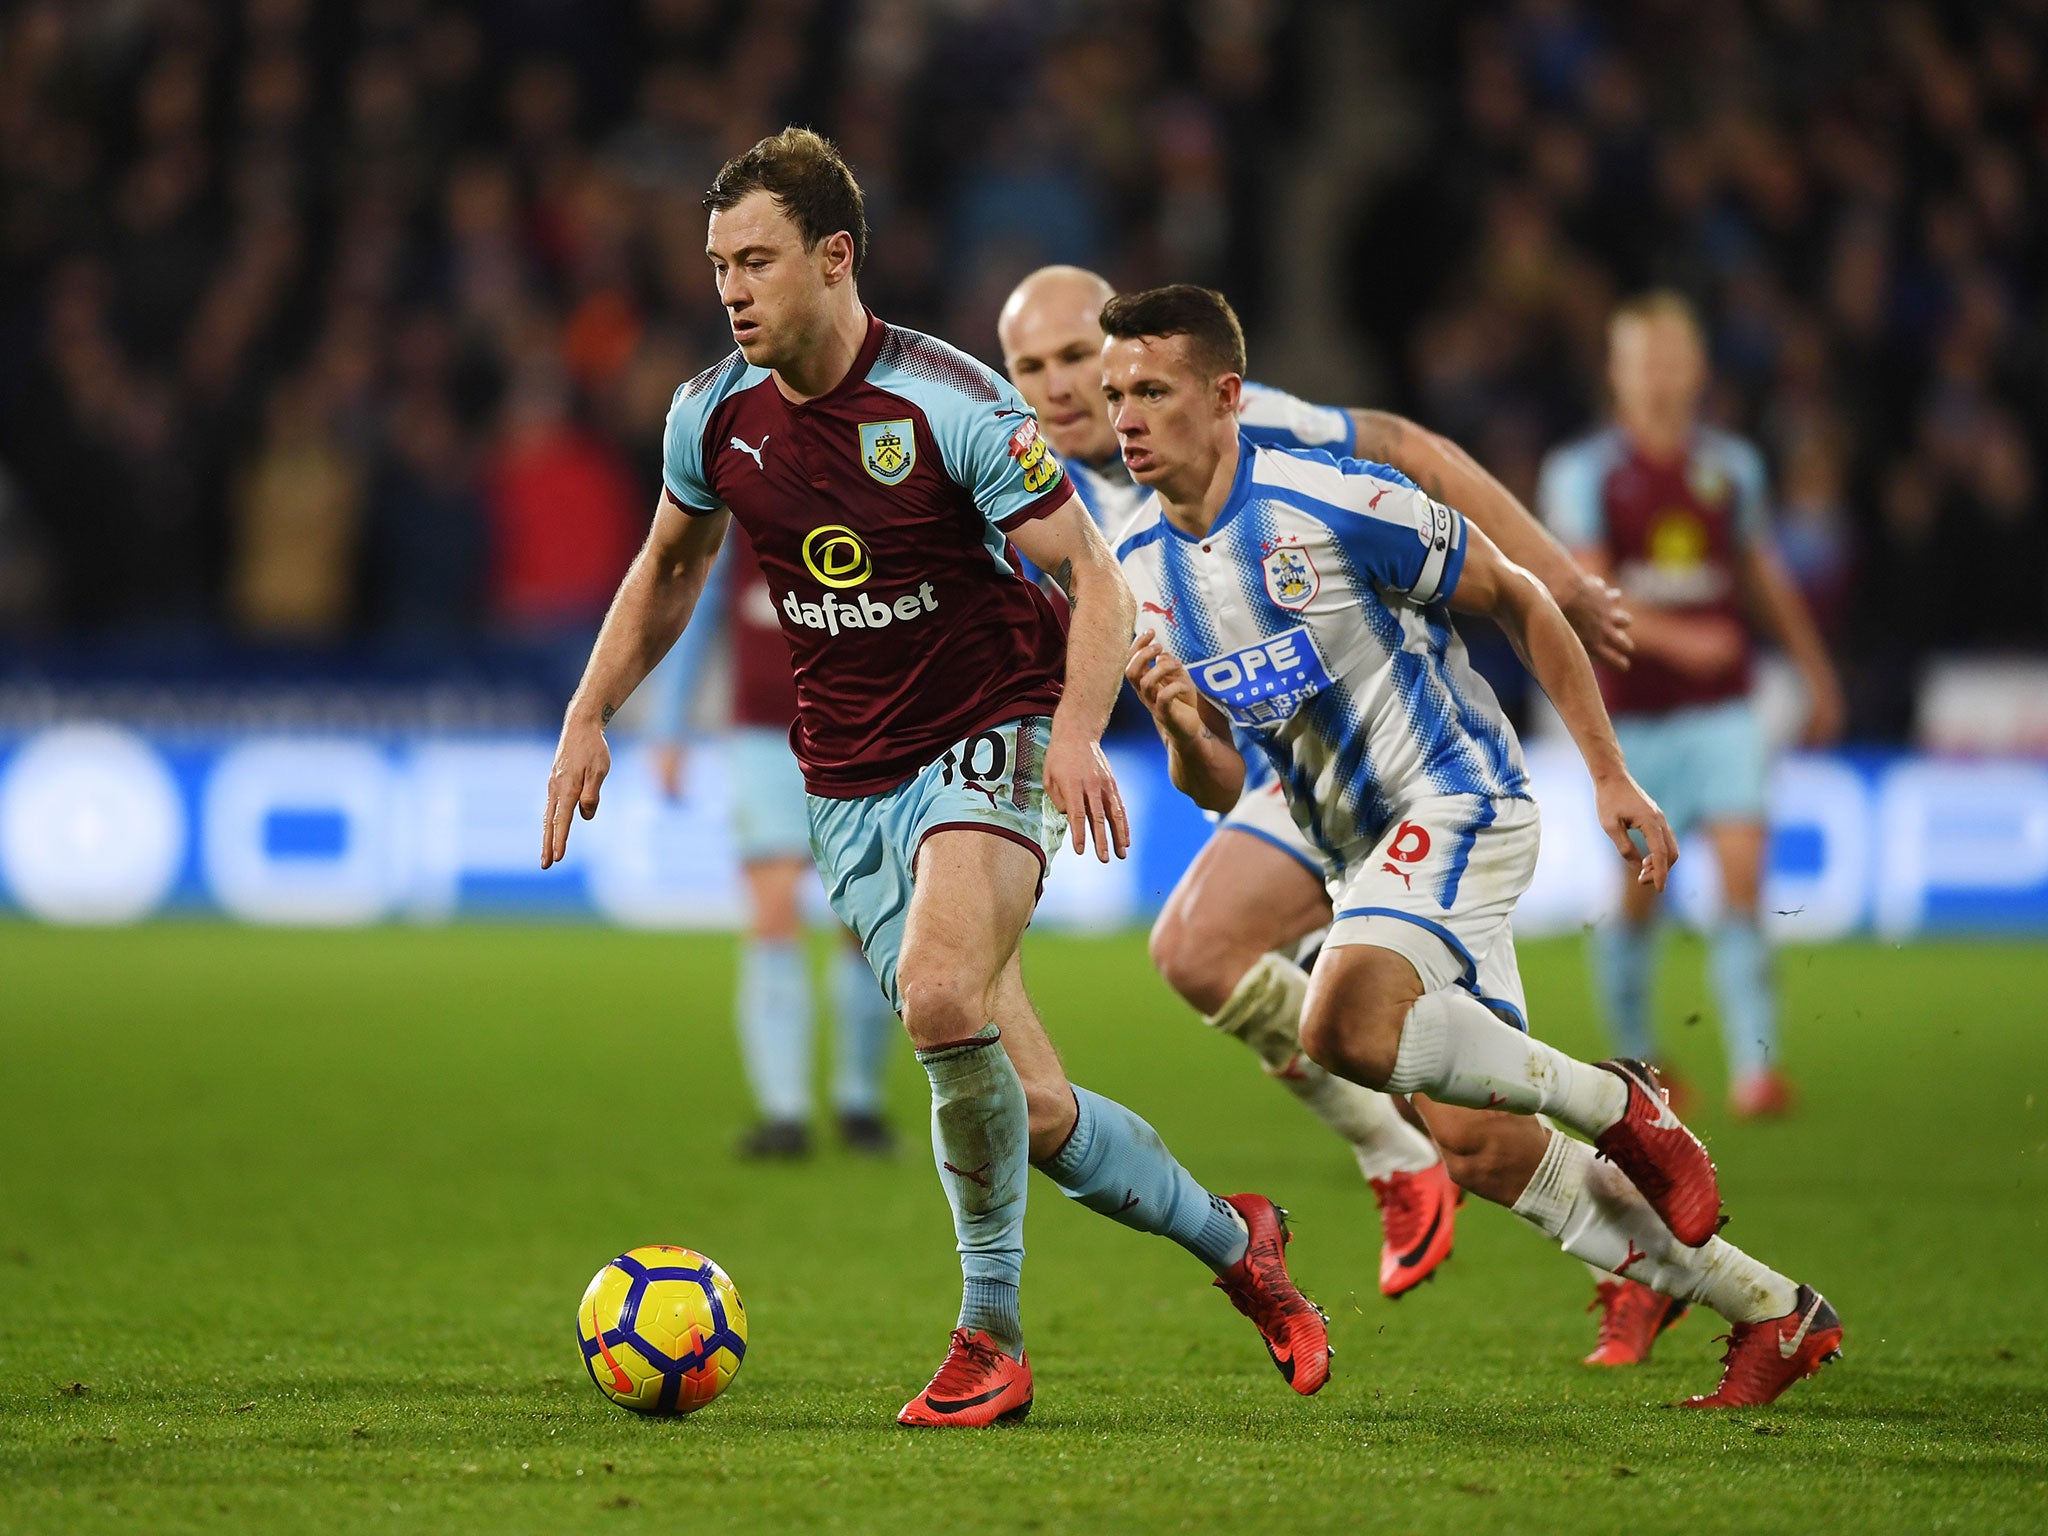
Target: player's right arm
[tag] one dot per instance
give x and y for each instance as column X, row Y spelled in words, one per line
column 1489, row 583
column 1201, row 756
column 653, row 604
column 1591, row 604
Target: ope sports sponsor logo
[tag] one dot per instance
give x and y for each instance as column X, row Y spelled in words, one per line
column 1263, row 684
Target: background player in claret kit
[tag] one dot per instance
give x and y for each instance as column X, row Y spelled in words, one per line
column 772, row 829
column 948, row 731
column 1227, row 936
column 1676, row 512
column 1309, row 609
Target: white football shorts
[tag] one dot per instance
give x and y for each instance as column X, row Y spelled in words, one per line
column 1440, row 888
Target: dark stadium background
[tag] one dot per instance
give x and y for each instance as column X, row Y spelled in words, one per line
column 337, row 338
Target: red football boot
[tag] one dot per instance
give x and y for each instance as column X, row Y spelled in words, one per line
column 1765, row 1095
column 1765, row 1358
column 1631, row 1317
column 978, row 1386
column 1661, row 1157
column 1418, row 1212
column 1296, row 1330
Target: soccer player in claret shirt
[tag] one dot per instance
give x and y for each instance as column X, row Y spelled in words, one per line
column 772, row 828
column 1228, row 936
column 1308, row 599
column 1676, row 512
column 949, row 733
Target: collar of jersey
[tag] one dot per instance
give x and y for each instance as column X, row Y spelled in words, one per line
column 863, row 364
column 1240, row 493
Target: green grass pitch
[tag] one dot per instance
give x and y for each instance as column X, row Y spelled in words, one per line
column 293, row 1227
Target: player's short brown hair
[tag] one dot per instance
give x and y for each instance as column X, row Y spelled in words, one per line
column 1204, row 316
column 809, row 180
column 1661, row 304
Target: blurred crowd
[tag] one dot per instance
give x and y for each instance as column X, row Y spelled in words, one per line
column 320, row 320
column 323, row 319
column 1854, row 193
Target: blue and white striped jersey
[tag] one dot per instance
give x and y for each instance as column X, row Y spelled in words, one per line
column 1269, row 416
column 1312, row 614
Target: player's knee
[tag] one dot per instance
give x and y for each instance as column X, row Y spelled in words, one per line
column 1187, row 965
column 1359, row 1043
column 942, row 1001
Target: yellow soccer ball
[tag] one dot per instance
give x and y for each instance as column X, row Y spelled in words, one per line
column 662, row 1329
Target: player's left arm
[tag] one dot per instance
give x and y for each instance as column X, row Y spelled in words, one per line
column 1491, row 584
column 1782, row 613
column 1066, row 544
column 1592, row 605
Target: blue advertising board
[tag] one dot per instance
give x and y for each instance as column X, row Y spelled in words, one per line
column 103, row 825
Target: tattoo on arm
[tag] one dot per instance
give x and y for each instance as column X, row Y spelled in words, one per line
column 1063, row 578
column 604, row 717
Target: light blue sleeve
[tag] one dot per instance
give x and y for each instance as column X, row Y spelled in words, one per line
column 994, row 450
column 674, row 683
column 1568, row 496
column 1396, row 535
column 1276, row 419
column 682, row 449
column 1752, row 490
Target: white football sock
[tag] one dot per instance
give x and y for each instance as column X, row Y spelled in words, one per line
column 1588, row 1208
column 1455, row 1050
column 1264, row 1011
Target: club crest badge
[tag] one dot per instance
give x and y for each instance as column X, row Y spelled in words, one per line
column 888, row 450
column 1292, row 580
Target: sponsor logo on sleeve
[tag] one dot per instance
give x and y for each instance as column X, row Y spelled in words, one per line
column 1033, row 457
column 1433, row 525
column 1262, row 685
column 888, row 450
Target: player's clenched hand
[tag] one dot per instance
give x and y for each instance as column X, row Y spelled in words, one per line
column 1597, row 614
column 582, row 759
column 1161, row 681
column 1624, row 808
column 1080, row 786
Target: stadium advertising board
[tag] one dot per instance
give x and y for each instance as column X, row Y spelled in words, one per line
column 99, row 825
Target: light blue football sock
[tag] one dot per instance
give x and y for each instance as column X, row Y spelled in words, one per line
column 981, row 1140
column 1740, row 959
column 1624, row 956
column 866, row 1026
column 775, row 1026
column 1115, row 1164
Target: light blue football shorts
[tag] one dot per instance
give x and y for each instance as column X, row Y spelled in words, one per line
column 769, row 818
column 1702, row 764
column 866, row 849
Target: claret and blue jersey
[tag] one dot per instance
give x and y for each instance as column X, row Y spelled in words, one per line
column 1312, row 614
column 880, row 512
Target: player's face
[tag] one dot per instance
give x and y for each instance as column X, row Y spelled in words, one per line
column 1656, row 368
column 1053, row 351
column 775, row 291
column 1171, row 417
